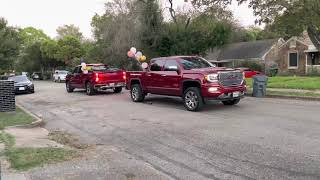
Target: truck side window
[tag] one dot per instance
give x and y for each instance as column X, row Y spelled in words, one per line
column 75, row 70
column 156, row 65
column 171, row 65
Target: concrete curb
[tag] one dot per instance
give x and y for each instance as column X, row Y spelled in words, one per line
column 37, row 123
column 289, row 97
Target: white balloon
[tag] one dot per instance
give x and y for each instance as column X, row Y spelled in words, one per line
column 134, row 50
column 139, row 54
column 144, row 65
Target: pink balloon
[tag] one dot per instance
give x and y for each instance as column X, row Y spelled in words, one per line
column 130, row 54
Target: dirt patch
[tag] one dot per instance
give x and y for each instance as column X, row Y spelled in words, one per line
column 67, row 139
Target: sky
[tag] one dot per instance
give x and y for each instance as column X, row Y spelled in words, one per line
column 50, row 14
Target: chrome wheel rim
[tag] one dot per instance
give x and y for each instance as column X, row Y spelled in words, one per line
column 191, row 100
column 135, row 93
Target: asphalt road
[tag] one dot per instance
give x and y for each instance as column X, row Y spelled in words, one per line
column 159, row 139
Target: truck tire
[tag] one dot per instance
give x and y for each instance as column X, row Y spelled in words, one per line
column 192, row 99
column 117, row 89
column 136, row 93
column 69, row 87
column 231, row 102
column 89, row 89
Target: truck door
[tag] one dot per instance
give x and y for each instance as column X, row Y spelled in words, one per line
column 154, row 81
column 171, row 78
column 75, row 80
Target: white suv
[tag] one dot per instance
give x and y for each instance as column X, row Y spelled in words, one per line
column 59, row 75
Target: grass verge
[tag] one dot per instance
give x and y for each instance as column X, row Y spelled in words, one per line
column 292, row 82
column 18, row 117
column 27, row 158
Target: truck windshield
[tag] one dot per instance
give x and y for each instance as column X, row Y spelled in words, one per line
column 194, row 63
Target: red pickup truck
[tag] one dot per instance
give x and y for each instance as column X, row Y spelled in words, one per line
column 100, row 77
column 190, row 77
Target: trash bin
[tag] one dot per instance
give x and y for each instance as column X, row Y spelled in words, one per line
column 259, row 86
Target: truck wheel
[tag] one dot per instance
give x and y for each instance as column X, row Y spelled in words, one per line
column 69, row 87
column 231, row 102
column 136, row 93
column 117, row 89
column 89, row 89
column 192, row 99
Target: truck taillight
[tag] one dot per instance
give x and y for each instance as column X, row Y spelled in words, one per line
column 124, row 76
column 97, row 77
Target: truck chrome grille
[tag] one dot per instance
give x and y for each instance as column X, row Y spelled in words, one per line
column 232, row 78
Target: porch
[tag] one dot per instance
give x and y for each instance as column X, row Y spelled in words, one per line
column 312, row 62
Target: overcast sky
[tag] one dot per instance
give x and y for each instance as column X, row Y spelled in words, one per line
column 49, row 14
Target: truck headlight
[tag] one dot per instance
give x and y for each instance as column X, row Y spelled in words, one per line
column 212, row 77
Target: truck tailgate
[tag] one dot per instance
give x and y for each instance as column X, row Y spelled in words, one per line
column 111, row 76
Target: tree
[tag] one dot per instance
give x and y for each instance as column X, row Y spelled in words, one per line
column 9, row 45
column 291, row 16
column 117, row 30
column 69, row 48
column 31, row 35
column 69, row 30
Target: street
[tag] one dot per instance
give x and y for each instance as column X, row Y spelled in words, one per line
column 158, row 139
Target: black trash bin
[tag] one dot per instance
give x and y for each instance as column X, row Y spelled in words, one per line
column 259, row 86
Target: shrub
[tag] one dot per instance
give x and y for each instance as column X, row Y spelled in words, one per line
column 253, row 65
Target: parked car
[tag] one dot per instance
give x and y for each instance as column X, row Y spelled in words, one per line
column 248, row 73
column 59, row 75
column 100, row 77
column 37, row 76
column 22, row 84
column 193, row 78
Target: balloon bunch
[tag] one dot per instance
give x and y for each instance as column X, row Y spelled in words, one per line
column 137, row 55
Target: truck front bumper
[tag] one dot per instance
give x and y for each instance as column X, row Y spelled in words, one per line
column 220, row 93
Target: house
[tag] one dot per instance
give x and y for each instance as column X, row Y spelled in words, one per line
column 298, row 56
column 264, row 52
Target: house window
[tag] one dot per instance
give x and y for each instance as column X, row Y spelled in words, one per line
column 293, row 60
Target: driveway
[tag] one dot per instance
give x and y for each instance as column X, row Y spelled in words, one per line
column 159, row 139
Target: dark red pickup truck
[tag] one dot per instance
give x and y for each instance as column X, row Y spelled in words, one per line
column 192, row 78
column 100, row 77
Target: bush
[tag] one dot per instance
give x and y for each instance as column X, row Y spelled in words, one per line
column 314, row 72
column 253, row 65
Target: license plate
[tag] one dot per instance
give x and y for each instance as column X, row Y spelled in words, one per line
column 111, row 84
column 236, row 94
column 21, row 88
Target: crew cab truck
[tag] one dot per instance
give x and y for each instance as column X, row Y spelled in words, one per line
column 99, row 77
column 190, row 77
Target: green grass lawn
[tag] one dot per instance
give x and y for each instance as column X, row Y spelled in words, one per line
column 14, row 118
column 291, row 82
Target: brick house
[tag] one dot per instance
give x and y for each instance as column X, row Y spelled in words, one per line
column 264, row 52
column 298, row 56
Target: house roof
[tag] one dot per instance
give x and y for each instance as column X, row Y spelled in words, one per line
column 242, row 50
